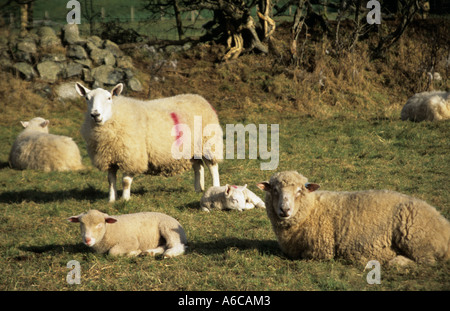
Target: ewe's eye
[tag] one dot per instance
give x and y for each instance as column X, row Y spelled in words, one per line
column 299, row 191
column 99, row 226
column 109, row 98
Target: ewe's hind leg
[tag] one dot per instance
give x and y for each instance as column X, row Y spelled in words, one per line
column 126, row 182
column 112, row 179
column 214, row 170
column 199, row 173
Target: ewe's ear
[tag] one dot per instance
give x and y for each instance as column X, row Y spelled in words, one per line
column 81, row 89
column 74, row 218
column 44, row 124
column 24, row 123
column 312, row 187
column 264, row 186
column 117, row 90
column 110, row 220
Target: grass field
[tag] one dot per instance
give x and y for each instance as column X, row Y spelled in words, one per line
column 227, row 250
column 346, row 135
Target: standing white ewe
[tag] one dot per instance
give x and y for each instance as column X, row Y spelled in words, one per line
column 358, row 226
column 136, row 136
column 230, row 197
column 132, row 234
column 35, row 148
column 429, row 106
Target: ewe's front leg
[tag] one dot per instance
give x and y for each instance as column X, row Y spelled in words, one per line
column 214, row 170
column 112, row 178
column 199, row 175
column 126, row 182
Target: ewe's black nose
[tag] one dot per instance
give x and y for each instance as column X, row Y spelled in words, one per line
column 95, row 114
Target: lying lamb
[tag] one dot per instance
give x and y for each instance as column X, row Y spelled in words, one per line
column 132, row 234
column 230, row 197
column 430, row 106
column 35, row 148
column 137, row 136
column 358, row 226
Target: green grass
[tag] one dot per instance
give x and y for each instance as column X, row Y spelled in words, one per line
column 227, row 250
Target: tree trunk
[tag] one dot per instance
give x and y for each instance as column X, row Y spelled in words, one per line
column 176, row 9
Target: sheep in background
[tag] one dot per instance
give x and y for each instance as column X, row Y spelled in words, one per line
column 35, row 148
column 358, row 226
column 132, row 234
column 430, row 106
column 137, row 136
column 230, row 197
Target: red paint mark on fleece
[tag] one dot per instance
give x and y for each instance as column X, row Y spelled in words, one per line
column 176, row 122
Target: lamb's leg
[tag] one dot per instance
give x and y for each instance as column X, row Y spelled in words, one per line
column 126, row 182
column 214, row 170
column 112, row 178
column 199, row 173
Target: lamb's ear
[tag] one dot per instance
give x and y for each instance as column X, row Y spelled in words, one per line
column 312, row 187
column 110, row 220
column 81, row 89
column 264, row 186
column 44, row 124
column 24, row 123
column 117, row 90
column 227, row 190
column 74, row 218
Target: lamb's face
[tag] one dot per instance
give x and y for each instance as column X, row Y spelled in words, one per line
column 99, row 101
column 234, row 197
column 286, row 190
column 92, row 225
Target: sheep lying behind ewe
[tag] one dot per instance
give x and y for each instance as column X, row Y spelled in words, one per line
column 358, row 226
column 429, row 106
column 137, row 136
column 35, row 148
column 132, row 234
column 230, row 197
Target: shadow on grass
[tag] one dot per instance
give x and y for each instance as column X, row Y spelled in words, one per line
column 269, row 247
column 57, row 249
column 90, row 194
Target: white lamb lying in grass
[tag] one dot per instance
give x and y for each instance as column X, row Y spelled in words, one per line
column 36, row 149
column 230, row 197
column 132, row 234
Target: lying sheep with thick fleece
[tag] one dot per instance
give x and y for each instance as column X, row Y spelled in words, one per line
column 35, row 148
column 427, row 106
column 358, row 226
column 230, row 197
column 138, row 136
column 132, row 234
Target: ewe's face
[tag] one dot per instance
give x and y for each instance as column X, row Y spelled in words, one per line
column 285, row 197
column 99, row 102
